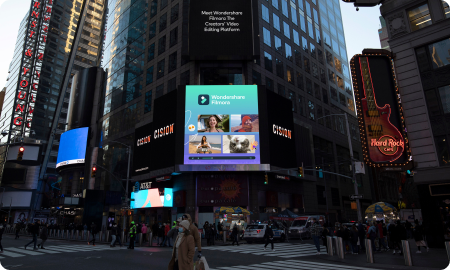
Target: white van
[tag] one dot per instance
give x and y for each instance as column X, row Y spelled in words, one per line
column 300, row 226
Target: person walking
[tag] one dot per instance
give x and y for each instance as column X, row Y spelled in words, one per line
column 382, row 240
column 213, row 232
column 234, row 235
column 372, row 235
column 208, row 233
column 346, row 238
column 173, row 233
column 418, row 233
column 43, row 236
column 316, row 232
column 155, row 233
column 17, row 228
column 113, row 235
column 144, row 232
column 2, row 229
column 160, row 234
column 133, row 231
column 393, row 237
column 408, row 227
column 325, row 233
column 94, row 231
column 354, row 235
column 34, row 229
column 361, row 235
column 268, row 235
column 183, row 248
column 118, row 236
column 219, row 231
column 194, row 231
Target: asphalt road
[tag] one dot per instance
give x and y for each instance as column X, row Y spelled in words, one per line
column 294, row 255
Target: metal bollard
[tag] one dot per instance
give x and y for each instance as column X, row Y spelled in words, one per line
column 407, row 253
column 330, row 245
column 140, row 239
column 447, row 248
column 107, row 236
column 224, row 237
column 341, row 248
column 100, row 236
column 88, row 234
column 67, row 234
column 150, row 239
column 122, row 238
column 77, row 235
column 369, row 251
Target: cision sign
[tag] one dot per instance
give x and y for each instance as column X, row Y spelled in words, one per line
column 221, row 30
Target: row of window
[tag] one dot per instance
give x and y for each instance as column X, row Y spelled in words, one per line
column 162, row 43
column 174, row 14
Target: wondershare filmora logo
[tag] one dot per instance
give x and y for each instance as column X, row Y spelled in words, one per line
column 203, row 99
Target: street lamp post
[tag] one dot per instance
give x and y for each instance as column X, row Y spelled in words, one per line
column 355, row 185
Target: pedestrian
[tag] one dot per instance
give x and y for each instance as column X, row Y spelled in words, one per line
column 372, row 235
column 193, row 229
column 234, row 235
column 113, row 235
column 316, row 233
column 346, row 238
column 382, row 240
column 2, row 229
column 133, row 231
column 43, row 236
column 325, row 233
column 34, row 230
column 17, row 228
column 418, row 233
column 268, row 235
column 160, row 234
column 94, row 231
column 400, row 231
column 144, row 232
column 393, row 237
column 209, row 234
column 361, row 235
column 155, row 233
column 173, row 233
column 183, row 248
column 408, row 227
column 354, row 235
column 219, row 231
column 213, row 232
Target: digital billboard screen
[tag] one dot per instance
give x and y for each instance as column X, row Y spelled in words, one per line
column 72, row 147
column 146, row 198
column 221, row 30
column 222, row 124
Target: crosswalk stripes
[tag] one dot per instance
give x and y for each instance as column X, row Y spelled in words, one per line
column 293, row 265
column 282, row 250
column 15, row 252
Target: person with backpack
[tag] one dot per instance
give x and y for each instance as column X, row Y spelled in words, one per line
column 43, row 236
column 94, row 231
column 372, row 236
column 34, row 230
column 268, row 234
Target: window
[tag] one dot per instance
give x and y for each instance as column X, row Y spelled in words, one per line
column 286, row 30
column 313, row 50
column 444, row 94
column 300, row 81
column 173, row 37
column 172, row 84
column 432, row 103
column 419, row 17
column 269, row 84
column 149, row 77
column 333, row 93
column 305, row 44
column 318, row 39
column 340, row 82
column 314, row 70
column 320, row 56
column 319, row 112
column 153, row 8
column 314, row 2
column 163, row 4
column 316, row 16
column 151, row 52
column 311, row 112
column 174, row 13
column 306, row 64
column 161, row 45
column 268, row 61
column 326, row 39
column 333, row 30
column 294, row 15
column 162, row 22
column 185, row 78
column 152, row 31
column 302, row 22
column 335, row 201
column 256, row 77
column 308, row 9
column 335, row 46
column 288, row 51
column 324, row 22
column 296, row 37
column 317, row 91
column 446, row 9
column 310, row 30
column 440, row 53
column 327, row 119
column 276, row 22
column 338, row 64
column 292, row 97
column 278, row 46
column 284, row 7
column 275, row 3
column 341, row 38
column 309, row 86
column 265, row 13
column 160, row 70
column 148, row 102
column 350, row 104
column 301, row 109
column 342, row 100
column 298, row 58
column 281, row 90
column 324, row 96
column 159, row 90
column 172, row 62
column 323, row 78
column 266, row 34
column 329, row 58
column 279, row 68
column 348, row 88
column 290, row 75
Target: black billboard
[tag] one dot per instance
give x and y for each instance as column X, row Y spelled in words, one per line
column 221, row 30
column 142, row 149
column 276, row 130
column 382, row 129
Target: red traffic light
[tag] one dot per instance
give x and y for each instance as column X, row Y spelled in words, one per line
column 94, row 168
column 21, row 149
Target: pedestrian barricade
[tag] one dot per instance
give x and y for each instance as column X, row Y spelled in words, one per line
column 369, row 251
column 330, row 245
column 407, row 253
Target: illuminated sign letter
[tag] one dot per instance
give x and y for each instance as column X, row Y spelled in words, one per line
column 20, row 107
column 20, row 95
column 18, row 123
column 35, row 14
column 23, row 83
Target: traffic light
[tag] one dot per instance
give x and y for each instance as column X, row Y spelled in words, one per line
column 94, row 170
column 409, row 173
column 20, row 153
column 266, row 179
column 300, row 172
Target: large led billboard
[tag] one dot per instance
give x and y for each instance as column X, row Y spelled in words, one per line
column 222, row 124
column 72, row 147
column 146, row 198
column 221, row 30
column 380, row 113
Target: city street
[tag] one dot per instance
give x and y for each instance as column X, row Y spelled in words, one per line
column 294, row 255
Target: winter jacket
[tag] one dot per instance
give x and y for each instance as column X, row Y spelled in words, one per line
column 173, row 233
column 268, row 233
column 1, row 233
column 345, row 234
column 34, row 228
column 144, row 229
column 354, row 236
column 161, row 231
column 315, row 229
column 186, row 251
column 166, row 230
column 114, row 230
column 44, row 233
column 401, row 232
column 194, row 231
column 361, row 230
column 372, row 232
column 380, row 230
column 93, row 229
column 209, row 232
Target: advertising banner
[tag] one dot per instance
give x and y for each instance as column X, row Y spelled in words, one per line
column 21, row 217
column 72, row 147
column 222, row 124
column 145, row 198
column 222, row 190
column 379, row 108
column 179, row 198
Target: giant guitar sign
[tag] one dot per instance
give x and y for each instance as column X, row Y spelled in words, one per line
column 380, row 114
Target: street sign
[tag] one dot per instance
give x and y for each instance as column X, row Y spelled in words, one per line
column 354, row 197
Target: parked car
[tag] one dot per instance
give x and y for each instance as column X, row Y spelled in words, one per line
column 300, row 226
column 255, row 232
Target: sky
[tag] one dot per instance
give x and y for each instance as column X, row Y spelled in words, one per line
column 360, row 27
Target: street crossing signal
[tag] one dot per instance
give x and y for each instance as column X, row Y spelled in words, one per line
column 300, row 171
column 20, row 153
column 266, row 179
column 94, row 170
